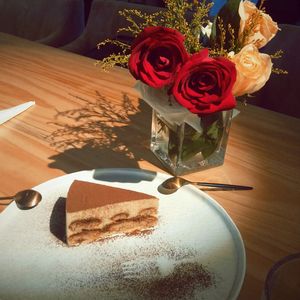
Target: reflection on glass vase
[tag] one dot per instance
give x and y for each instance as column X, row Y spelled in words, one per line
column 183, row 149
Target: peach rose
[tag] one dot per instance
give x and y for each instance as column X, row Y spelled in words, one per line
column 253, row 70
column 264, row 30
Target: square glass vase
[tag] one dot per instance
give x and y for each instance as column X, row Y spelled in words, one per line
column 182, row 149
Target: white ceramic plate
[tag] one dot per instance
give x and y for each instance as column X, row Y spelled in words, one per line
column 35, row 263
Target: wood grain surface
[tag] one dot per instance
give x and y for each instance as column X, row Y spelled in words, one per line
column 85, row 118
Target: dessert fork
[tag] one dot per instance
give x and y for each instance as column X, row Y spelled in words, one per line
column 159, row 267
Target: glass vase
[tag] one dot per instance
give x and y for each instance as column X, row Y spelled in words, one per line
column 183, row 149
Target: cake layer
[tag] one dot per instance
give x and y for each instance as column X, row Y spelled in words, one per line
column 129, row 226
column 84, row 195
column 104, row 215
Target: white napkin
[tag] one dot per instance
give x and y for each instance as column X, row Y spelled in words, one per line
column 9, row 113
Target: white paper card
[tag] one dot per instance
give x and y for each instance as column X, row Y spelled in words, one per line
column 9, row 113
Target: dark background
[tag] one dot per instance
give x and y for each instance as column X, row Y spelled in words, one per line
column 283, row 11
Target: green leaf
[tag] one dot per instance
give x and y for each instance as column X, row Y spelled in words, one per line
column 205, row 142
column 204, row 145
column 208, row 120
column 213, row 130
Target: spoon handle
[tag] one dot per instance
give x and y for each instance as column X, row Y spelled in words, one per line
column 223, row 186
column 6, row 198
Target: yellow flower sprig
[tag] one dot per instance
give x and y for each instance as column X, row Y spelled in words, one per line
column 120, row 59
column 185, row 17
column 113, row 60
column 200, row 11
column 122, row 45
column 188, row 18
column 139, row 20
column 278, row 54
column 279, row 71
column 250, row 26
column 227, row 41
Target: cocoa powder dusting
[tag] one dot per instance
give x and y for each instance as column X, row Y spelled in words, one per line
column 180, row 284
column 185, row 282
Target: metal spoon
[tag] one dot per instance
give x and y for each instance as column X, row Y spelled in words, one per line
column 171, row 185
column 26, row 199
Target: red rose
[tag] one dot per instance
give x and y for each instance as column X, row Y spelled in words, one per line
column 204, row 84
column 156, row 56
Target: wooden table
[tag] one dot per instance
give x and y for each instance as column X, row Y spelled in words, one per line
column 86, row 119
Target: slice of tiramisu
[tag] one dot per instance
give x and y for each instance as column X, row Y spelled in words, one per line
column 96, row 211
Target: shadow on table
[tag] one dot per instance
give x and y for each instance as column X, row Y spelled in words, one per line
column 102, row 134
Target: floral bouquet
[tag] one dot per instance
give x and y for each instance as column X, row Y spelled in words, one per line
column 191, row 69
